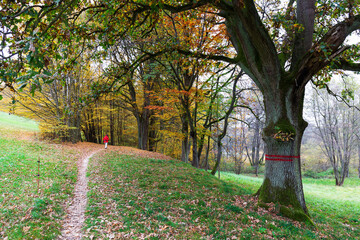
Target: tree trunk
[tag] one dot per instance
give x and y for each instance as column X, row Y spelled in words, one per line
column 121, row 124
column 359, row 158
column 201, row 147
column 195, row 160
column 282, row 136
column 218, row 158
column 152, row 134
column 74, row 128
column 206, row 160
column 143, row 130
column 337, row 180
column 112, row 122
column 185, row 144
column 193, row 130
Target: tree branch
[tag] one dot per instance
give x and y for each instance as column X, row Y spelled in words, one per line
column 211, row 57
column 347, row 65
column 182, row 8
column 317, row 57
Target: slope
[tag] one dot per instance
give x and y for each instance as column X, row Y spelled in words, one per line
column 141, row 198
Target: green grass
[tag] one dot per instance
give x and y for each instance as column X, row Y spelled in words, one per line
column 314, row 188
column 26, row 213
column 13, row 122
column 335, row 210
column 132, row 197
column 135, row 198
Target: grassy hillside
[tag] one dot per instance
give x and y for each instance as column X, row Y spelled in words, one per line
column 137, row 198
column 158, row 199
column 26, row 213
column 335, row 210
column 13, row 122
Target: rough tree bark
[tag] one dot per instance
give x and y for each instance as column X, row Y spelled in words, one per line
column 282, row 135
column 283, row 89
column 283, row 100
column 152, row 134
column 185, row 145
column 359, row 158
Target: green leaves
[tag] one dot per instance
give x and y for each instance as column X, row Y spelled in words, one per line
column 347, row 94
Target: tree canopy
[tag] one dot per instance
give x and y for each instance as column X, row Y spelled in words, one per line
column 281, row 46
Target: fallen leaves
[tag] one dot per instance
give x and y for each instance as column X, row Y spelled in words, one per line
column 26, row 229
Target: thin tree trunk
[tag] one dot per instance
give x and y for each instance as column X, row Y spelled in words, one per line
column 185, row 144
column 206, row 160
column 193, row 130
column 218, row 158
column 195, row 160
column 112, row 122
column 143, row 131
column 201, row 147
column 359, row 158
column 152, row 134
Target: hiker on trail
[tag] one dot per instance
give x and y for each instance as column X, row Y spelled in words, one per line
column 106, row 140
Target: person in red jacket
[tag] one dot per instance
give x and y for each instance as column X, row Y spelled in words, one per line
column 106, row 140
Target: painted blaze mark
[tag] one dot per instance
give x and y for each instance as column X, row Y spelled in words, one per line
column 281, row 158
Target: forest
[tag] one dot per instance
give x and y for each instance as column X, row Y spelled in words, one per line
column 236, row 86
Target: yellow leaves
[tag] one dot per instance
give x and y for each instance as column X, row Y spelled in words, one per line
column 283, row 136
column 159, row 108
column 196, row 31
column 298, row 27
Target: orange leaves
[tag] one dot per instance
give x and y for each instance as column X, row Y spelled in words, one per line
column 158, row 108
column 196, row 31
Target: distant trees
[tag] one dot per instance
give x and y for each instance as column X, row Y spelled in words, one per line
column 255, row 147
column 338, row 126
column 244, row 141
column 235, row 141
column 134, row 89
column 358, row 150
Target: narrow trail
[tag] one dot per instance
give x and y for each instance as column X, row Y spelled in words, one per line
column 72, row 228
column 75, row 213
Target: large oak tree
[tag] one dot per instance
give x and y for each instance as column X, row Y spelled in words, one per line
column 281, row 51
column 281, row 68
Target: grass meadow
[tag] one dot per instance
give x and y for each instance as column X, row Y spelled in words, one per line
column 27, row 212
column 135, row 198
column 140, row 198
column 335, row 210
column 15, row 123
